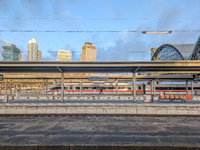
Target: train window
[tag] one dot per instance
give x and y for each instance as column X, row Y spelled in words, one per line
column 139, row 87
column 66, row 88
column 129, row 88
column 70, row 87
column 77, row 88
column 58, row 88
column 94, row 88
column 196, row 88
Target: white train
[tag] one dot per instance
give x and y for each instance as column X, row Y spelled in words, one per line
column 123, row 88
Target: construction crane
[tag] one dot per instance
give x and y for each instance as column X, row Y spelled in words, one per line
column 20, row 54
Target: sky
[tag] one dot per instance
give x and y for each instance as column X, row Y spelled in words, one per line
column 63, row 24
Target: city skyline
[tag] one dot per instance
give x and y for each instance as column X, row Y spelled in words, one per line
column 66, row 55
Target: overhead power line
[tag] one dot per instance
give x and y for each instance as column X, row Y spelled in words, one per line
column 130, row 31
column 97, row 19
column 61, row 31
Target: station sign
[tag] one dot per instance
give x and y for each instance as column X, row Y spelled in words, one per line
column 1, row 77
column 98, row 79
column 98, row 82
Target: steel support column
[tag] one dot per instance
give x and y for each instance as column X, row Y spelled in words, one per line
column 43, row 87
column 154, row 91
column 46, row 86
column 186, row 86
column 39, row 88
column 15, row 88
column 117, row 87
column 62, row 87
column 10, row 87
column 6, row 87
column 151, row 84
column 80, row 87
column 134, row 88
column 192, row 87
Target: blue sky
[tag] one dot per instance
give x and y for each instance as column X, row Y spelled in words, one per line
column 98, row 15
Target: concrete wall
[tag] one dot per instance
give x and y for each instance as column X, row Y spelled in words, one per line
column 85, row 108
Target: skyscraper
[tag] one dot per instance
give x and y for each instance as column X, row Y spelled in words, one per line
column 88, row 52
column 39, row 55
column 64, row 55
column 10, row 52
column 32, row 50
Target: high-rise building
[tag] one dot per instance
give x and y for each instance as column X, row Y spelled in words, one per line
column 64, row 55
column 39, row 55
column 32, row 50
column 88, row 52
column 80, row 58
column 10, row 52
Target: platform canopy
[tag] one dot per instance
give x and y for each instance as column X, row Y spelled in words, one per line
column 101, row 66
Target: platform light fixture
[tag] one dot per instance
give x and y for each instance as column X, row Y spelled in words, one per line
column 156, row 32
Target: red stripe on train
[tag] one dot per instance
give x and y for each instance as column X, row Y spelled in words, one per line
column 111, row 91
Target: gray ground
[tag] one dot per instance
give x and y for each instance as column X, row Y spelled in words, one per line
column 117, row 131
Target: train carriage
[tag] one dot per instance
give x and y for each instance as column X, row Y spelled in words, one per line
column 123, row 88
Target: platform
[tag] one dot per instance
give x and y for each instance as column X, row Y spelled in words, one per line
column 99, row 133
column 97, row 107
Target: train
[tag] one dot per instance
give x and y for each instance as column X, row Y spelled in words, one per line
column 123, row 88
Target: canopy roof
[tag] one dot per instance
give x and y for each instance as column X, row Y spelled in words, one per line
column 101, row 66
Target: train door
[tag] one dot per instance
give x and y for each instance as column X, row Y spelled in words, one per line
column 65, row 89
column 70, row 89
column 94, row 90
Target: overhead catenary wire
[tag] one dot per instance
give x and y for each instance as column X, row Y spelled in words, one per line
column 61, row 40
column 97, row 19
column 68, row 31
